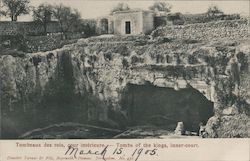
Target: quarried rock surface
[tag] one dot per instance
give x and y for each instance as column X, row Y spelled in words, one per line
column 108, row 83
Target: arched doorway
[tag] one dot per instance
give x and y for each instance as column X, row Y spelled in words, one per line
column 104, row 26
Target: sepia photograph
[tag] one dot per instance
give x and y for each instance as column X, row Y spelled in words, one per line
column 135, row 69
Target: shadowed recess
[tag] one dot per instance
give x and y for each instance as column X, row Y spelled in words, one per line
column 164, row 107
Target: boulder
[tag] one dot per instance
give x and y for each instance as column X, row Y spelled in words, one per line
column 212, row 126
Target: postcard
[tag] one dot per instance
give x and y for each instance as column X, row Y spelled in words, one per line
column 134, row 80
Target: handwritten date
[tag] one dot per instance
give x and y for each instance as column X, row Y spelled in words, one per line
column 109, row 151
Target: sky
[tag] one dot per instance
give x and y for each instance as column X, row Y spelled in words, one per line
column 98, row 8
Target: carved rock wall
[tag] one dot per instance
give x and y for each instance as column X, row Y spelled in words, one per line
column 91, row 76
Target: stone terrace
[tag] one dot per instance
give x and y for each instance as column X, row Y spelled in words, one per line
column 235, row 29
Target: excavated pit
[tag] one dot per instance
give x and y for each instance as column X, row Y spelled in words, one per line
column 56, row 104
column 164, row 107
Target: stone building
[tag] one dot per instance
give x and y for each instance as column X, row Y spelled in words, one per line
column 105, row 25
column 131, row 22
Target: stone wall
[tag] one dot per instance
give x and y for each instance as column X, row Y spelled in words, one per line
column 148, row 22
column 29, row 28
column 35, row 28
column 235, row 29
column 204, row 18
column 40, row 43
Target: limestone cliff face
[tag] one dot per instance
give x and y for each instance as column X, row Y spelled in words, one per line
column 87, row 81
column 208, row 68
column 22, row 76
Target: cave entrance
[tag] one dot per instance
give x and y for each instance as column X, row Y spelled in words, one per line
column 164, row 107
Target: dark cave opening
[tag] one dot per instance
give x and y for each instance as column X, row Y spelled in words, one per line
column 164, row 107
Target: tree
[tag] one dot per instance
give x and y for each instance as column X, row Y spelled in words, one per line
column 67, row 18
column 176, row 18
column 120, row 7
column 15, row 8
column 161, row 7
column 2, row 12
column 214, row 11
column 43, row 15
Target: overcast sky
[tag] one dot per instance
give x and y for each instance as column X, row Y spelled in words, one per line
column 97, row 8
